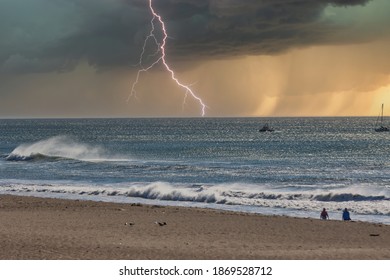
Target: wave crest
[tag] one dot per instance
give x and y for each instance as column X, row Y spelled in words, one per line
column 31, row 157
column 349, row 197
column 55, row 148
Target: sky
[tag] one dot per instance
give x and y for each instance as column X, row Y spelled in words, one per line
column 243, row 58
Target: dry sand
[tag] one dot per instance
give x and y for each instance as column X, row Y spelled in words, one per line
column 42, row 228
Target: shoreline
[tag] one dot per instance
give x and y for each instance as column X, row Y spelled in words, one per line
column 51, row 228
column 250, row 209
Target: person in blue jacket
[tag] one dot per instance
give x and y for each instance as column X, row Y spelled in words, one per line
column 346, row 216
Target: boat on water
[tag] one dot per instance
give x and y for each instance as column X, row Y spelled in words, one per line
column 266, row 128
column 379, row 127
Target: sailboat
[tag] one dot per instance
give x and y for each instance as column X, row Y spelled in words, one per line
column 381, row 127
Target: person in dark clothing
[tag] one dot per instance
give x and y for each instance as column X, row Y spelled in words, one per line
column 346, row 216
column 324, row 215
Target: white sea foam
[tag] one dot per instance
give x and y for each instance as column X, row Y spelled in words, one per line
column 236, row 195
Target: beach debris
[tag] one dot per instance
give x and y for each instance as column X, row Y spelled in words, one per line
column 136, row 204
column 374, row 234
column 129, row 224
column 160, row 223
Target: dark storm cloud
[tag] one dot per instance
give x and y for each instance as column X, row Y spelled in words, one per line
column 54, row 35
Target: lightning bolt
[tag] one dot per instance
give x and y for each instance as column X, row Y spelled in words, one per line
column 161, row 57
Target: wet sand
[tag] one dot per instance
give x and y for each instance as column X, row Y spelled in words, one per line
column 44, row 228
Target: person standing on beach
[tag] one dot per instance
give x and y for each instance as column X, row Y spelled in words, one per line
column 324, row 215
column 346, row 216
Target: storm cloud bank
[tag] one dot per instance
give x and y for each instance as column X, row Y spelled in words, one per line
column 46, row 35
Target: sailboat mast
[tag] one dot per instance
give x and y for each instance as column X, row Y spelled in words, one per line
column 382, row 114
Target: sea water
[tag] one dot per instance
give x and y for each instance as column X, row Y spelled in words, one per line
column 305, row 165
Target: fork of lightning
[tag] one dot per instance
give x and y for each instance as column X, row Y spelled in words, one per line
column 160, row 57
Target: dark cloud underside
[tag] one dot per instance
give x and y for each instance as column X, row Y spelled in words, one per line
column 46, row 35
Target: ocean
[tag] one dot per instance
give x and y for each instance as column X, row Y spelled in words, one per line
column 305, row 165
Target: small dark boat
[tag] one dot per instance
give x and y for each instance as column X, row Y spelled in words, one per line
column 266, row 128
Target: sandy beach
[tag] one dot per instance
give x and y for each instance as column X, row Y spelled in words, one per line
column 44, row 228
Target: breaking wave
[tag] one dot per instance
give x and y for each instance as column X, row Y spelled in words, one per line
column 58, row 147
column 223, row 194
column 349, row 197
